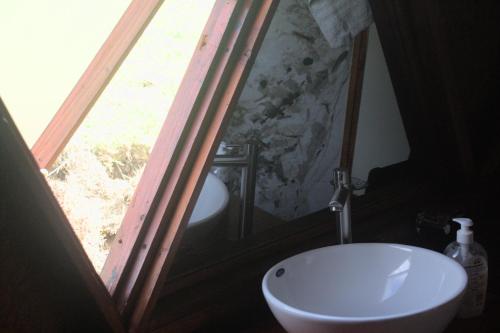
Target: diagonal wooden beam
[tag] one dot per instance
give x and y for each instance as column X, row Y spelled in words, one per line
column 129, row 248
column 93, row 81
column 49, row 216
column 194, row 136
column 137, row 294
column 259, row 18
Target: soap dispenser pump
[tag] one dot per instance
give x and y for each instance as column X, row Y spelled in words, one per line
column 472, row 256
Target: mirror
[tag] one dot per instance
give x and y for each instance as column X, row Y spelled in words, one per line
column 293, row 111
column 381, row 138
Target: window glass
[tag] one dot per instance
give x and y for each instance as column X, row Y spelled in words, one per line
column 46, row 46
column 96, row 174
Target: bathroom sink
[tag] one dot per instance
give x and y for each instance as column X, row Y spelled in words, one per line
column 357, row 288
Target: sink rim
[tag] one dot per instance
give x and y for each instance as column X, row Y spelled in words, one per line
column 359, row 319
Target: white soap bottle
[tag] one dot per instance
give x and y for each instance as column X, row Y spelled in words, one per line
column 473, row 258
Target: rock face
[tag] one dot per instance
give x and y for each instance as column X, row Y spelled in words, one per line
column 293, row 106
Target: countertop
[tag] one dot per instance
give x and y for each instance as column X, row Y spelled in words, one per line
column 488, row 322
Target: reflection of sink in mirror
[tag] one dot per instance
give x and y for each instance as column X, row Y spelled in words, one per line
column 209, row 208
column 372, row 288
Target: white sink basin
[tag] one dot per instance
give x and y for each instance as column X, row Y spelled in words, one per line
column 375, row 288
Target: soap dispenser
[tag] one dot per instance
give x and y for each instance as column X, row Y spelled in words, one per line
column 473, row 258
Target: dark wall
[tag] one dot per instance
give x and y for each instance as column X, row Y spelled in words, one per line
column 41, row 287
column 444, row 61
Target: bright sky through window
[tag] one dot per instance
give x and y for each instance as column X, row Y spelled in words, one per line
column 48, row 45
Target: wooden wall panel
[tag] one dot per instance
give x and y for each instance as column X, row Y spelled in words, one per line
column 443, row 57
column 47, row 284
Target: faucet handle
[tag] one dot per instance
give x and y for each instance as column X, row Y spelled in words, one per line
column 337, row 177
column 341, row 177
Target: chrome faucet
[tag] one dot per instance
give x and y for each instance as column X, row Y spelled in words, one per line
column 341, row 204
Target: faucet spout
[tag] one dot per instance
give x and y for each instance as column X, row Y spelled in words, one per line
column 340, row 197
column 340, row 204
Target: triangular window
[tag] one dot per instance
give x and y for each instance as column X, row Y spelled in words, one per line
column 109, row 128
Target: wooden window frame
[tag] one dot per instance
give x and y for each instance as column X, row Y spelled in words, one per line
column 359, row 51
column 146, row 243
column 93, row 81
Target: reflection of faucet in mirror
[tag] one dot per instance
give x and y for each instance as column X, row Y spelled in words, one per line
column 341, row 204
column 244, row 156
